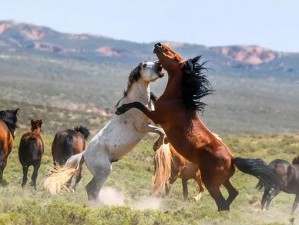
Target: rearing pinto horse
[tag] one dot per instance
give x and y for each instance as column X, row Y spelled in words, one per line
column 8, row 124
column 176, row 111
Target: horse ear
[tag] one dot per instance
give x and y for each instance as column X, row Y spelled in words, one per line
column 16, row 111
column 195, row 59
column 32, row 122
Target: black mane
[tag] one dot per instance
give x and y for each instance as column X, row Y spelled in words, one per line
column 194, row 84
column 83, row 130
column 9, row 117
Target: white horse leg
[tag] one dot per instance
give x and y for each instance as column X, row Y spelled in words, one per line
column 99, row 164
column 155, row 129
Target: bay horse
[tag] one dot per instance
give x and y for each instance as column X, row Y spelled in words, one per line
column 169, row 166
column 176, row 110
column 289, row 175
column 31, row 150
column 8, row 124
column 115, row 139
column 68, row 143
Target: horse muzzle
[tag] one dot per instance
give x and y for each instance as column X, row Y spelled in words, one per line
column 158, row 48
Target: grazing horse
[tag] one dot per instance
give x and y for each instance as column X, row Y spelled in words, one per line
column 115, row 140
column 31, row 151
column 176, row 112
column 8, row 124
column 169, row 166
column 68, row 143
column 289, row 175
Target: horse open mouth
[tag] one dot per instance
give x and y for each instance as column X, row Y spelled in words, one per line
column 158, row 48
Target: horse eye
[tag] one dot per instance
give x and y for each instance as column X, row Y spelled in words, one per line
column 144, row 65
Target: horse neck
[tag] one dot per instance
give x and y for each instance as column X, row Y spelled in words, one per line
column 139, row 92
column 37, row 131
column 173, row 87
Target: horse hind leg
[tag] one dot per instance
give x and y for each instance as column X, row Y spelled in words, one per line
column 25, row 172
column 295, row 204
column 94, row 187
column 200, row 184
column 34, row 175
column 218, row 197
column 185, row 188
column 269, row 197
column 232, row 192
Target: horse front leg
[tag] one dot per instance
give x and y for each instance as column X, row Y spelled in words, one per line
column 137, row 105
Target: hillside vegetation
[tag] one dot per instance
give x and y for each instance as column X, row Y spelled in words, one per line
column 126, row 194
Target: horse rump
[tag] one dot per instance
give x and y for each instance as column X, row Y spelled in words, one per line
column 259, row 169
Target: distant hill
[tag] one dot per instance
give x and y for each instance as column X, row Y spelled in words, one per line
column 233, row 60
column 79, row 76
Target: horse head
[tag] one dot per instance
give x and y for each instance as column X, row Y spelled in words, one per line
column 10, row 117
column 148, row 71
column 170, row 60
column 36, row 125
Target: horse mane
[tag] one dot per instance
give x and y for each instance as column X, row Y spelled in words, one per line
column 83, row 130
column 133, row 77
column 194, row 84
column 9, row 117
column 295, row 160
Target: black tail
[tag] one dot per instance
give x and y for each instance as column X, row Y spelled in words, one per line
column 67, row 148
column 33, row 148
column 259, row 169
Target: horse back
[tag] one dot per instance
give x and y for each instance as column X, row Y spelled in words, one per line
column 31, row 148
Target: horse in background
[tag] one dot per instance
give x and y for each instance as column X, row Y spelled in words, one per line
column 116, row 139
column 8, row 124
column 68, row 143
column 169, row 166
column 289, row 175
column 31, row 150
column 176, row 110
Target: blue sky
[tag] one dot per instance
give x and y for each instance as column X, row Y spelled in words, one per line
column 272, row 24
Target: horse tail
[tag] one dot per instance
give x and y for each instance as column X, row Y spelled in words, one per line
column 259, row 169
column 163, row 161
column 67, row 148
column 35, row 153
column 59, row 176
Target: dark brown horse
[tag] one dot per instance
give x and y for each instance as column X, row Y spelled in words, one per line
column 289, row 175
column 68, row 143
column 8, row 124
column 31, row 151
column 176, row 112
column 169, row 166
